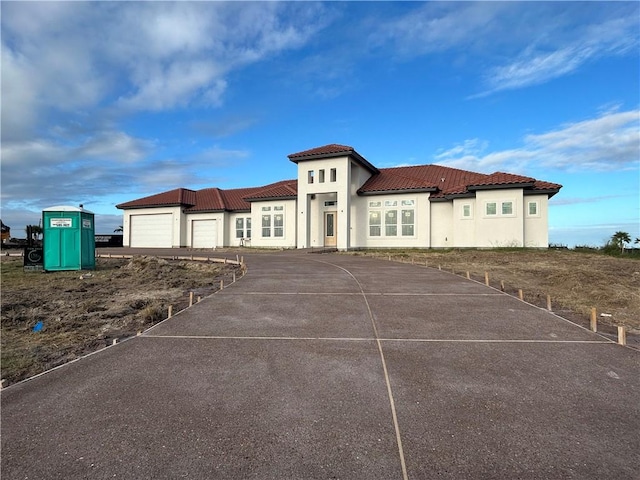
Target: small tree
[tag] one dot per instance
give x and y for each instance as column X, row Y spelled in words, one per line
column 620, row 239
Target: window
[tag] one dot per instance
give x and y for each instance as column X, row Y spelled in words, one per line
column 330, row 203
column 391, row 223
column 507, row 209
column 407, row 222
column 239, row 227
column 321, row 176
column 533, row 209
column 310, row 175
column 374, row 223
column 266, row 225
column 332, row 175
column 243, row 227
column 272, row 223
column 402, row 221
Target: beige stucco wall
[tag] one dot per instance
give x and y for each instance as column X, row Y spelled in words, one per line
column 311, row 196
column 289, row 239
column 464, row 228
column 536, row 227
column 441, row 225
column 360, row 222
column 499, row 230
column 230, row 239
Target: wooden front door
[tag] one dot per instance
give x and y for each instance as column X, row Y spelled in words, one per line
column 330, row 233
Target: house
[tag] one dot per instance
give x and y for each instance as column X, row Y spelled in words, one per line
column 340, row 200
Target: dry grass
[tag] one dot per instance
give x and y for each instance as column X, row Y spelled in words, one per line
column 575, row 281
column 80, row 315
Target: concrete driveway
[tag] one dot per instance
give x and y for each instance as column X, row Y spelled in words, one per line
column 334, row 366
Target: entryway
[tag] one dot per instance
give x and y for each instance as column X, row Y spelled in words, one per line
column 330, row 234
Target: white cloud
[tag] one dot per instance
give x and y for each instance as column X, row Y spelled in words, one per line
column 608, row 142
column 544, row 61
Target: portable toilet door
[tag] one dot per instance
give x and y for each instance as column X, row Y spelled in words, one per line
column 68, row 238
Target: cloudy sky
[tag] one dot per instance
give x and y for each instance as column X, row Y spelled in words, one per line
column 104, row 102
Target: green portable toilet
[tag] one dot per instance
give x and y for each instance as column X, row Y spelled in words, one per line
column 68, row 238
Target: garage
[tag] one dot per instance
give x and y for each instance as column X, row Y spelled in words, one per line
column 151, row 231
column 204, row 233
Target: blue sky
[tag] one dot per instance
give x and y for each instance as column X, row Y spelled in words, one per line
column 104, row 102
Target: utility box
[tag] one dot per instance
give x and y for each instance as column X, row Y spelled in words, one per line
column 68, row 238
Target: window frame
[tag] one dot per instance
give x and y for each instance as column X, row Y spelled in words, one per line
column 383, row 211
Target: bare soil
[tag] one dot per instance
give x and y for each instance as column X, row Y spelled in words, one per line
column 52, row 318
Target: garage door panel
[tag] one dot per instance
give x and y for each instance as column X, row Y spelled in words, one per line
column 204, row 233
column 151, row 231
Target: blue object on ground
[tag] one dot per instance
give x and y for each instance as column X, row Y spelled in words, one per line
column 38, row 326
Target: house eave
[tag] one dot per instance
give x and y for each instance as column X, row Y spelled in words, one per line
column 346, row 153
column 396, row 192
column 271, row 199
column 500, row 186
column 139, row 207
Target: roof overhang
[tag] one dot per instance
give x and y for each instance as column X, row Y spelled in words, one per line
column 345, row 153
column 396, row 192
column 270, row 199
column 500, row 186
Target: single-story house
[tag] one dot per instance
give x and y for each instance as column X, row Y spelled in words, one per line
column 340, row 200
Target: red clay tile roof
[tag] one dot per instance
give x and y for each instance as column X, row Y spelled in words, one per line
column 215, row 199
column 283, row 189
column 443, row 182
column 331, row 149
column 179, row 196
column 446, row 181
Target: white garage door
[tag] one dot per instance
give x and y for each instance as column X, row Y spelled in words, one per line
column 204, row 233
column 151, row 231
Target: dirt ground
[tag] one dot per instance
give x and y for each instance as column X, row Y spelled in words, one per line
column 80, row 312
column 52, row 318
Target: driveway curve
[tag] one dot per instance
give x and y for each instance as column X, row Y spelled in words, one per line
column 337, row 366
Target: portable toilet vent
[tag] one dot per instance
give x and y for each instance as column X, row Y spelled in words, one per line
column 68, row 238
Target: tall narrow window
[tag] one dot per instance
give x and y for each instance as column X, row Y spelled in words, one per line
column 375, row 220
column 407, row 223
column 278, row 225
column 391, row 223
column 310, row 175
column 466, row 211
column 248, row 226
column 266, row 225
column 533, row 209
column 332, row 175
column 239, row 227
column 321, row 176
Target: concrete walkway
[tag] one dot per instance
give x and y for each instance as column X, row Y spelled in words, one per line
column 334, row 366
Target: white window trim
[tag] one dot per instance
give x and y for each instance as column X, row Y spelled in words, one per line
column 382, row 207
column 537, row 204
column 499, row 204
column 271, row 213
column 470, row 216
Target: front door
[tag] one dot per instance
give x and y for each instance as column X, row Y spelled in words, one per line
column 330, row 238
